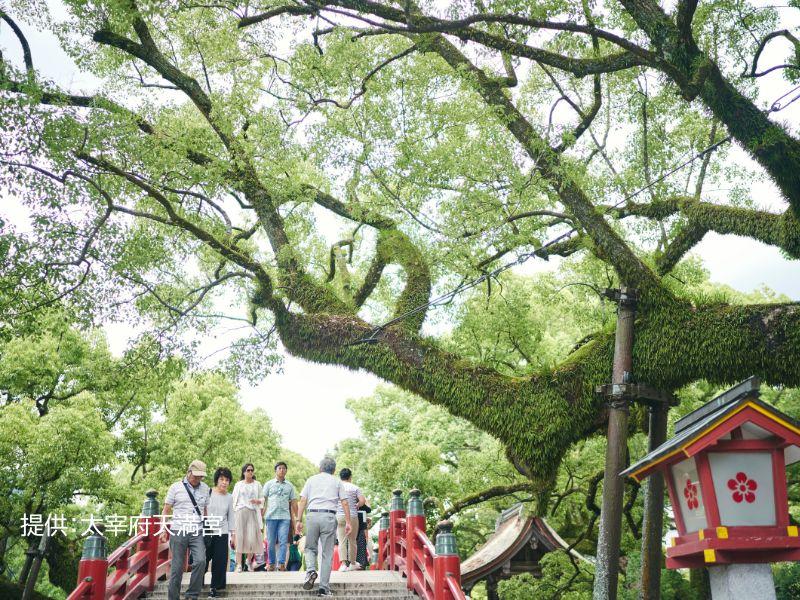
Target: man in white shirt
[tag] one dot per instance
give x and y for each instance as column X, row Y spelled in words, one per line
column 187, row 500
column 322, row 494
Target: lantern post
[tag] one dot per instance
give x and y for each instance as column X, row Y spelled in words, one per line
column 608, row 541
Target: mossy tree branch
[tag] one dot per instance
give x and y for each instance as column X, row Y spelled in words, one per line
column 538, row 417
column 393, row 247
column 698, row 76
column 549, row 164
column 781, row 230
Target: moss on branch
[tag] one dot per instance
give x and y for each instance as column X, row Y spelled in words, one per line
column 394, row 247
column 781, row 230
column 539, row 417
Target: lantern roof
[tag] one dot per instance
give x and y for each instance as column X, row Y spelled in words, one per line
column 738, row 407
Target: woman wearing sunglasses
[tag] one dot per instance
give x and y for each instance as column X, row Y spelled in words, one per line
column 247, row 507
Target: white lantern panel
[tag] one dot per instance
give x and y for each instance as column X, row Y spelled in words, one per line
column 791, row 455
column 744, row 487
column 690, row 496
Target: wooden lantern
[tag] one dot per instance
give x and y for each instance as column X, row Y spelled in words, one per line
column 726, row 474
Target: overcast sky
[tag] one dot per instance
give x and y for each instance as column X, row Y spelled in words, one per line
column 306, row 401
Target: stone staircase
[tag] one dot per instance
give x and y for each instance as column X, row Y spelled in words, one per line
column 363, row 585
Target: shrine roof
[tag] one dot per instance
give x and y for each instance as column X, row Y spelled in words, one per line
column 707, row 418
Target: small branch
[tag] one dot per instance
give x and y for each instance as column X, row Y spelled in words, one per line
column 23, row 42
column 488, row 494
column 785, row 33
column 363, row 89
column 275, row 12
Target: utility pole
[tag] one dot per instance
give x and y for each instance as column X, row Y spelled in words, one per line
column 30, row 583
column 607, row 567
column 653, row 521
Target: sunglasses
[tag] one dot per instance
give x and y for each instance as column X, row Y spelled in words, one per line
column 249, row 470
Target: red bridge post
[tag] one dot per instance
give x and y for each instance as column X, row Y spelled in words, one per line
column 383, row 541
column 415, row 520
column 397, row 512
column 94, row 567
column 149, row 525
column 446, row 564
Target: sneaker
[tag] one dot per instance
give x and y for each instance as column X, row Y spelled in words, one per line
column 311, row 577
column 238, row 568
column 343, row 567
column 281, row 567
column 212, row 593
column 324, row 592
column 355, row 567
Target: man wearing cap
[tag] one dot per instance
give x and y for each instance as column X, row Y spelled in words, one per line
column 187, row 500
column 322, row 493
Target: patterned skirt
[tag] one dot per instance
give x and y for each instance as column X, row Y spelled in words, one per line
column 362, row 555
column 249, row 539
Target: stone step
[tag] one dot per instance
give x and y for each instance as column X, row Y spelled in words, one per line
column 300, row 593
column 356, row 585
column 306, row 596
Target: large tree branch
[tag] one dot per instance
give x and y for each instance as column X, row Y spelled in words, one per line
column 549, row 164
column 414, row 22
column 538, row 417
column 781, row 230
column 149, row 53
column 697, row 75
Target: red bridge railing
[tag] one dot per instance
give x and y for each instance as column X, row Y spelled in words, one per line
column 132, row 569
column 433, row 572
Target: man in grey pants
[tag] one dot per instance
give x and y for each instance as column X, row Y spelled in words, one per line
column 187, row 500
column 322, row 494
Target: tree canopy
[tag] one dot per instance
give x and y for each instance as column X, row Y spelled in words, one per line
column 226, row 141
column 83, row 432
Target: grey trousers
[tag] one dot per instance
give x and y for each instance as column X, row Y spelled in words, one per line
column 320, row 535
column 178, row 544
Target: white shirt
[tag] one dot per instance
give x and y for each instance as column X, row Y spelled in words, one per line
column 243, row 492
column 323, row 492
column 352, row 492
column 182, row 507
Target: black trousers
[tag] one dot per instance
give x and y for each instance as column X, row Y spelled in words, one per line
column 218, row 559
